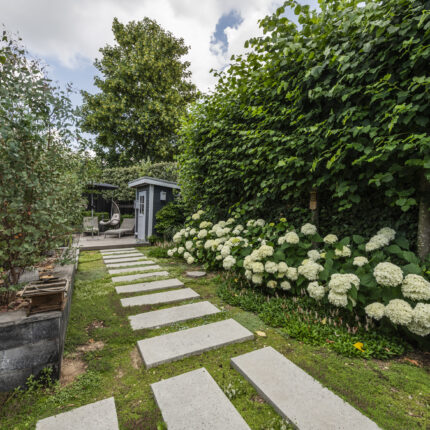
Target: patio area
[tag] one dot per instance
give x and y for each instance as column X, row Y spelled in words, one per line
column 89, row 243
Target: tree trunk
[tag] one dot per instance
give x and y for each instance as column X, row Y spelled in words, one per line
column 423, row 236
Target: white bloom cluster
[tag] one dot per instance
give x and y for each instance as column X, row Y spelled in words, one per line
column 257, row 267
column 271, row 267
column 204, row 224
column 202, row 234
column 399, row 312
column 339, row 300
column 388, row 274
column 375, row 310
column 189, row 245
column 420, row 323
column 260, row 222
column 315, row 290
column 415, row 287
column 282, row 267
column 285, row 285
column 257, row 278
column 181, row 250
column 314, row 255
column 228, row 262
column 272, row 284
column 341, row 283
column 344, row 252
column 310, row 270
column 292, row 238
column 265, row 251
column 330, row 239
column 360, row 261
column 238, row 229
column 197, row 215
column 308, row 229
column 172, row 252
column 383, row 237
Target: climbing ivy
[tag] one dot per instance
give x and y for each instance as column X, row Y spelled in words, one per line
column 337, row 103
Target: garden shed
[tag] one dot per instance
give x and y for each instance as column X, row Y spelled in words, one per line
column 151, row 195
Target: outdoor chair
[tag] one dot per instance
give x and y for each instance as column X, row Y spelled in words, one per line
column 91, row 225
column 127, row 227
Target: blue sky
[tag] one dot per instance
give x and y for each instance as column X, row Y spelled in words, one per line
column 67, row 34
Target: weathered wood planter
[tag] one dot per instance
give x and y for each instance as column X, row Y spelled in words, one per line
column 28, row 344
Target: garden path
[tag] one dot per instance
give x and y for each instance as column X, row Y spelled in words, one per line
column 193, row 400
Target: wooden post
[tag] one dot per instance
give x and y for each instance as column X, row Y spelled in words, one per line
column 313, row 206
column 423, row 234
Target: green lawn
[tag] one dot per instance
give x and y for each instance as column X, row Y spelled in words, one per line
column 395, row 394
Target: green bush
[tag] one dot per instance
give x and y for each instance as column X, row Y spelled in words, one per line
column 338, row 104
column 169, row 219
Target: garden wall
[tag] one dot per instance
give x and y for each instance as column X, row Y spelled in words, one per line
column 29, row 344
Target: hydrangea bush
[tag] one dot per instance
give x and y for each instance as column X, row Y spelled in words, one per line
column 379, row 278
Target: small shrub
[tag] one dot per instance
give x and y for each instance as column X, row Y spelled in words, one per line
column 169, row 219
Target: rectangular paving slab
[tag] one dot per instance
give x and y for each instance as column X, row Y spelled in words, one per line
column 131, row 278
column 133, row 269
column 296, row 395
column 173, row 315
column 194, row 401
column 193, row 341
column 128, row 264
column 125, row 259
column 149, row 286
column 95, row 416
column 120, row 251
column 160, row 298
column 128, row 255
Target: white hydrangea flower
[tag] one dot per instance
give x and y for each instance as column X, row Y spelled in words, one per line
column 177, row 237
column 230, row 221
column 280, row 275
column 260, row 222
column 315, row 290
column 388, row 232
column 250, row 223
column 257, row 278
column 308, row 229
column 199, row 244
column 170, row 252
column 281, row 240
column 257, row 267
column 200, row 212
column 193, row 231
column 181, row 250
column 272, row 284
column 189, row 245
column 360, row 261
column 271, row 267
column 377, row 242
column 285, row 285
column 420, row 324
column 330, row 239
column 415, row 287
column 248, row 274
column 388, row 274
column 292, row 238
column 310, row 270
column 195, row 216
column 339, row 300
column 209, row 244
column 344, row 252
column 204, row 224
column 282, row 267
column 247, row 262
column 399, row 312
column 190, row 260
column 265, row 251
column 218, row 257
column 226, row 250
column 341, row 283
column 375, row 310
column 292, row 273
column 187, row 255
column 202, row 234
column 228, row 262
column 314, row 255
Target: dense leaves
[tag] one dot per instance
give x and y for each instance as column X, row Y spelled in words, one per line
column 144, row 88
column 339, row 104
column 40, row 177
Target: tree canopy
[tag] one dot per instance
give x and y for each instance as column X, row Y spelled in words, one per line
column 144, row 89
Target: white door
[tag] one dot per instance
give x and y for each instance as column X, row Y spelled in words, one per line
column 141, row 216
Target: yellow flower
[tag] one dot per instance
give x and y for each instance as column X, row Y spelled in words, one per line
column 283, row 220
column 272, row 224
column 359, row 346
column 322, row 254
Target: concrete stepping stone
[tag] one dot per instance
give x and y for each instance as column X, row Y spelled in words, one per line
column 95, row 416
column 128, row 264
column 128, row 255
column 131, row 278
column 173, row 315
column 118, row 251
column 125, row 259
column 195, row 274
column 193, row 341
column 194, row 401
column 149, row 286
column 297, row 396
column 133, row 269
column 160, row 298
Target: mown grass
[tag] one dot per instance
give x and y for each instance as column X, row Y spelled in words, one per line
column 395, row 394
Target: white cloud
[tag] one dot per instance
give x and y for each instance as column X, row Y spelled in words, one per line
column 72, row 31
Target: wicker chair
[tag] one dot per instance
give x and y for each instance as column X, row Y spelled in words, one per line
column 91, row 225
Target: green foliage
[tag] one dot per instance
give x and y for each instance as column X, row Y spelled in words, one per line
column 169, row 219
column 157, row 253
column 144, row 89
column 338, row 103
column 40, row 177
column 313, row 323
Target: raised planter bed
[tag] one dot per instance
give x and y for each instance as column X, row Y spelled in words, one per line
column 28, row 344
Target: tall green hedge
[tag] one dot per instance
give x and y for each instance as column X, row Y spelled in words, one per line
column 339, row 103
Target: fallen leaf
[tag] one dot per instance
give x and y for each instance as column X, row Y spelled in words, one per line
column 261, row 333
column 414, row 362
column 359, row 346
